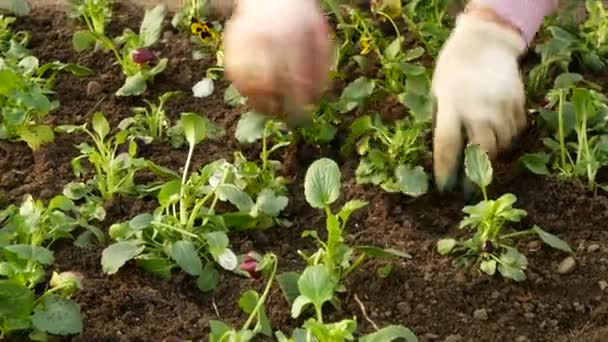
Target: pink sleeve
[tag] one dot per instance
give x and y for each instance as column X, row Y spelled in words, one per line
column 527, row 15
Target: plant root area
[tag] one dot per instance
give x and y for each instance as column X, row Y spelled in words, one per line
column 427, row 293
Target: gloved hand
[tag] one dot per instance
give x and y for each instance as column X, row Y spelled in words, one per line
column 278, row 53
column 479, row 91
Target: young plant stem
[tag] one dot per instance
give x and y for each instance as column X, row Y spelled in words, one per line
column 516, row 234
column 182, row 204
column 560, row 123
column 354, row 266
column 262, row 299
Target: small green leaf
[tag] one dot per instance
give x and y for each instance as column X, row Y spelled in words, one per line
column 236, row 196
column 208, row 279
column 160, row 267
column 117, row 254
column 445, row 246
column 269, row 203
column 100, row 125
column 250, row 127
column 317, row 285
column 83, row 40
column 31, row 252
column 488, row 266
column 151, row 25
column 359, row 89
column 185, row 255
column 217, row 242
column 36, row 136
column 552, row 240
column 248, row 302
column 298, row 305
column 141, row 221
column 390, row 333
column 288, row 282
column 322, row 183
column 536, row 162
column 567, row 80
column 16, row 300
column 478, row 166
column 195, row 128
column 413, row 181
column 16, row 7
column 233, row 98
column 218, row 330
column 134, row 85
column 57, row 316
column 382, row 252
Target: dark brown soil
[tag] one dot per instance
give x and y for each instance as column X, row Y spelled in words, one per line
column 426, row 293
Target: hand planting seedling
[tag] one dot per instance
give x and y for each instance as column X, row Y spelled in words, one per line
column 490, row 246
column 26, row 234
column 573, row 111
column 389, row 154
column 132, row 50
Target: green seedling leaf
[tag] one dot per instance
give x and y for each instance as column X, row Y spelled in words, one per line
column 477, row 166
column 382, row 252
column 567, row 80
column 217, row 242
column 117, row 254
column 488, row 266
column 512, row 264
column 169, row 192
column 31, row 252
column 57, row 316
column 413, row 181
column 270, row 204
column 16, row 301
column 134, row 85
column 250, row 127
column 36, row 136
column 394, row 48
column 218, row 330
column 248, row 302
column 552, row 240
column 236, row 196
column 316, row 286
column 208, row 279
column 195, row 128
column 100, row 125
column 233, row 98
column 536, row 162
column 185, row 255
column 141, row 221
column 158, row 266
column 151, row 26
column 83, row 40
column 288, row 282
column 445, row 246
column 390, row 333
column 349, row 208
column 322, row 183
column 355, row 93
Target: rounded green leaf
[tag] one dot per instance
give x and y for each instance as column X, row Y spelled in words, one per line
column 208, row 279
column 117, row 254
column 478, row 166
column 185, row 255
column 390, row 333
column 445, row 246
column 317, row 285
column 195, row 128
column 322, row 183
column 250, row 127
column 57, row 316
column 83, row 40
column 413, row 181
column 134, row 85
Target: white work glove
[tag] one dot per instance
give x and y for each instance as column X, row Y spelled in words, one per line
column 278, row 53
column 479, row 93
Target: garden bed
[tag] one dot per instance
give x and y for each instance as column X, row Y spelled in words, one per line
column 425, row 293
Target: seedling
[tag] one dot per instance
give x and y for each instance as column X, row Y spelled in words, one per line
column 26, row 234
column 253, row 304
column 149, row 123
column 491, row 247
column 132, row 50
column 114, row 170
column 389, row 154
column 25, row 88
column 95, row 13
column 573, row 111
